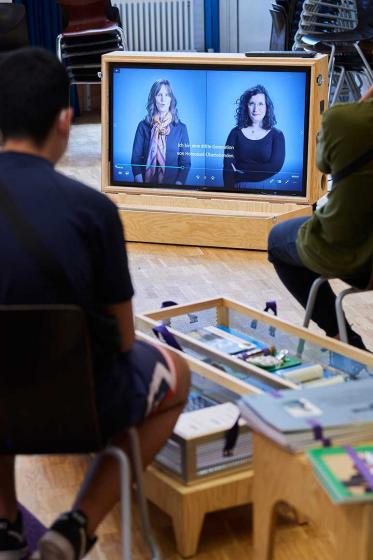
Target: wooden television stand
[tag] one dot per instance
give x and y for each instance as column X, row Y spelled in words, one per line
column 211, row 219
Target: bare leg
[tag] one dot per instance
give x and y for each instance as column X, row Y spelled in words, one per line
column 8, row 500
column 100, row 491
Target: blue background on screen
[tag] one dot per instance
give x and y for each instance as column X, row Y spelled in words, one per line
column 206, row 101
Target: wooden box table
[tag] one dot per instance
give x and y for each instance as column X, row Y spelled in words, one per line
column 281, row 476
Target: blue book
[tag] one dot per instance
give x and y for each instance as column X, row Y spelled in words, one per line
column 305, row 418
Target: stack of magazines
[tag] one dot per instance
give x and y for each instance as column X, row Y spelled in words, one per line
column 198, row 445
column 302, row 419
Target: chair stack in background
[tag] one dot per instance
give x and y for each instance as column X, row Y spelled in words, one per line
column 322, row 16
column 344, row 30
column 92, row 29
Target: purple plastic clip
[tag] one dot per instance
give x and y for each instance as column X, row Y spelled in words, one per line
column 360, row 466
column 161, row 330
column 318, row 432
column 271, row 306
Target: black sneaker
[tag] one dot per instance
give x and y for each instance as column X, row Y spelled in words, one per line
column 13, row 545
column 66, row 539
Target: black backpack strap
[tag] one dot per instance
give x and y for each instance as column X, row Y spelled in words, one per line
column 353, row 166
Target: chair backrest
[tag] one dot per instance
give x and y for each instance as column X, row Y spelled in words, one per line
column 13, row 27
column 83, row 15
column 47, row 400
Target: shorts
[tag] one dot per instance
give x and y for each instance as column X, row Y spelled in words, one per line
column 139, row 382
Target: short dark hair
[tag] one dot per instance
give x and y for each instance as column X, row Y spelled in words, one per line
column 151, row 105
column 34, row 88
column 242, row 112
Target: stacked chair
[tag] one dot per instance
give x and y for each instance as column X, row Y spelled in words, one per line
column 92, row 28
column 344, row 30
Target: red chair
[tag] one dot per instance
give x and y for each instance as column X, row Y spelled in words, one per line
column 86, row 16
column 89, row 33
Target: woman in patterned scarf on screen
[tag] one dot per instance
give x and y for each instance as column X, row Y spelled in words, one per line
column 160, row 153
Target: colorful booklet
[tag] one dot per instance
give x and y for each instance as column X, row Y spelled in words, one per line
column 345, row 472
column 217, row 339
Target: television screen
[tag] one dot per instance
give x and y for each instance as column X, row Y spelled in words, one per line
column 216, row 128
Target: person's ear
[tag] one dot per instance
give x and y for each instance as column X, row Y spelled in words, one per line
column 64, row 121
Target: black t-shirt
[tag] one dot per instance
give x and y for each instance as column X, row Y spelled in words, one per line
column 80, row 226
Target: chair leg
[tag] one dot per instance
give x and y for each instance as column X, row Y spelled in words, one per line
column 125, row 491
column 365, row 62
column 339, row 85
column 310, row 307
column 58, row 47
column 312, row 299
column 141, row 500
column 341, row 320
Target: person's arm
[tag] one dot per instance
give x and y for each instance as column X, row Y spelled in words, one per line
column 124, row 315
column 347, row 215
column 113, row 285
column 323, row 146
column 138, row 159
column 229, row 160
column 184, row 161
column 368, row 94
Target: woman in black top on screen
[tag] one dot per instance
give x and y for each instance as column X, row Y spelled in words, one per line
column 255, row 148
column 161, row 144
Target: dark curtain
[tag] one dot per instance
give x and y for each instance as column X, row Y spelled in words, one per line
column 44, row 24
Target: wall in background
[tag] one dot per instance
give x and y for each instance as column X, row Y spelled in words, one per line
column 244, row 25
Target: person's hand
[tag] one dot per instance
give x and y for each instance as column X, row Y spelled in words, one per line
column 368, row 94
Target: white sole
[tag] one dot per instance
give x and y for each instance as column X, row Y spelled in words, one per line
column 53, row 546
column 20, row 554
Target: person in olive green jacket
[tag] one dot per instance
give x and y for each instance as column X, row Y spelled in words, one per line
column 337, row 241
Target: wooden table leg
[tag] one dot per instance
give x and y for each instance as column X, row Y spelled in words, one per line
column 353, row 530
column 188, row 505
column 187, row 522
column 265, row 515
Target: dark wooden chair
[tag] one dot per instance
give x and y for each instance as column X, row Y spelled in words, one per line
column 47, row 402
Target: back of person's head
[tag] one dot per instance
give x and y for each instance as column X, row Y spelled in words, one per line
column 34, row 89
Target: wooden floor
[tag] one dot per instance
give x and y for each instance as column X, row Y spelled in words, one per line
column 47, row 485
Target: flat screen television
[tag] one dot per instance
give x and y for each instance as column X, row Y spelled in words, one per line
column 241, row 128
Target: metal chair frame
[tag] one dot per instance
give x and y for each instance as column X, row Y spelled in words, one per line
column 338, row 303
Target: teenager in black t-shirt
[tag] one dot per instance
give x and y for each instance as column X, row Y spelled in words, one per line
column 82, row 229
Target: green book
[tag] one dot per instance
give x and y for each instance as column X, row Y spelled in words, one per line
column 345, row 472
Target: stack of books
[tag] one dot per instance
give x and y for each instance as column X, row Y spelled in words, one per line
column 197, row 447
column 302, row 419
column 345, row 472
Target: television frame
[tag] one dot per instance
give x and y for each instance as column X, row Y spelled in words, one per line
column 200, row 204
